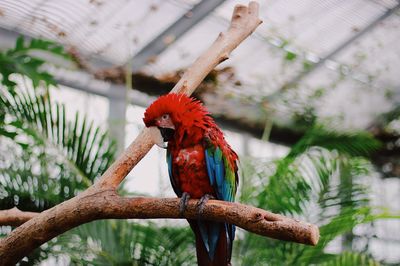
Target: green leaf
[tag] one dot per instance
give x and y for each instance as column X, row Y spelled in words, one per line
column 290, row 56
column 19, row 45
column 9, row 134
column 21, row 60
column 307, row 65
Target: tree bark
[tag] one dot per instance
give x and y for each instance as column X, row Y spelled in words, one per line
column 15, row 217
column 101, row 201
column 106, row 204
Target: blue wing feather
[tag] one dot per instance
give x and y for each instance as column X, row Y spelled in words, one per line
column 223, row 180
column 210, row 167
column 217, row 173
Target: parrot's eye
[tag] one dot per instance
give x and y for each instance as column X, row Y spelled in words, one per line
column 165, row 116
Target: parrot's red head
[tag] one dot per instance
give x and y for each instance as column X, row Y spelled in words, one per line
column 177, row 116
column 184, row 121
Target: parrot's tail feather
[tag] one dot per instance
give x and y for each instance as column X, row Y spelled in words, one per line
column 223, row 250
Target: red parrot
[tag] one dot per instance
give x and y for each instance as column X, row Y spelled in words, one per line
column 201, row 165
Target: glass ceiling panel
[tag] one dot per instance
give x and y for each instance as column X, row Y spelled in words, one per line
column 313, row 26
column 342, row 101
column 188, row 47
column 375, row 58
column 115, row 30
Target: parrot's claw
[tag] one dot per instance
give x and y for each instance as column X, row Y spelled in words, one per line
column 183, row 203
column 202, row 203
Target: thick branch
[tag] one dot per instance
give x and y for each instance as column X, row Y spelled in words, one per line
column 107, row 204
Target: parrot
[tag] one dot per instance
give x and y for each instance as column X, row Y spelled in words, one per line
column 201, row 165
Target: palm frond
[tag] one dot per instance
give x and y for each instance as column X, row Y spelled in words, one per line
column 309, row 165
column 82, row 145
column 69, row 154
column 296, row 180
column 24, row 59
column 345, row 222
column 118, row 242
column 349, row 143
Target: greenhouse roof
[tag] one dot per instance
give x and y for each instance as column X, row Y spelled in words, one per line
column 344, row 53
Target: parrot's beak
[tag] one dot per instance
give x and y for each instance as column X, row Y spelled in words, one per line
column 161, row 136
column 157, row 138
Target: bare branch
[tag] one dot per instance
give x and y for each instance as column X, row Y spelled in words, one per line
column 108, row 204
column 15, row 217
column 244, row 21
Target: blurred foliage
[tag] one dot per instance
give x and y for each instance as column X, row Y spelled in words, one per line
column 352, row 144
column 25, row 59
column 290, row 56
column 120, row 242
column 47, row 158
column 321, row 180
column 51, row 158
column 385, row 119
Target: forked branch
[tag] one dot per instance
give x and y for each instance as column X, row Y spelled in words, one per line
column 101, row 200
column 244, row 21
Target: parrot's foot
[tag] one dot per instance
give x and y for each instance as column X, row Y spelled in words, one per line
column 183, row 203
column 202, row 203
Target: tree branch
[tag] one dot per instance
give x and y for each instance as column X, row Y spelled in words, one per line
column 108, row 204
column 15, row 217
column 101, row 200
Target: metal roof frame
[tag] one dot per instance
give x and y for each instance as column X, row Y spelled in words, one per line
column 339, row 48
column 173, row 33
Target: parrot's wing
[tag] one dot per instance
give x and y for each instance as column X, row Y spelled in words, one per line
column 222, row 176
column 223, row 179
column 171, row 178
